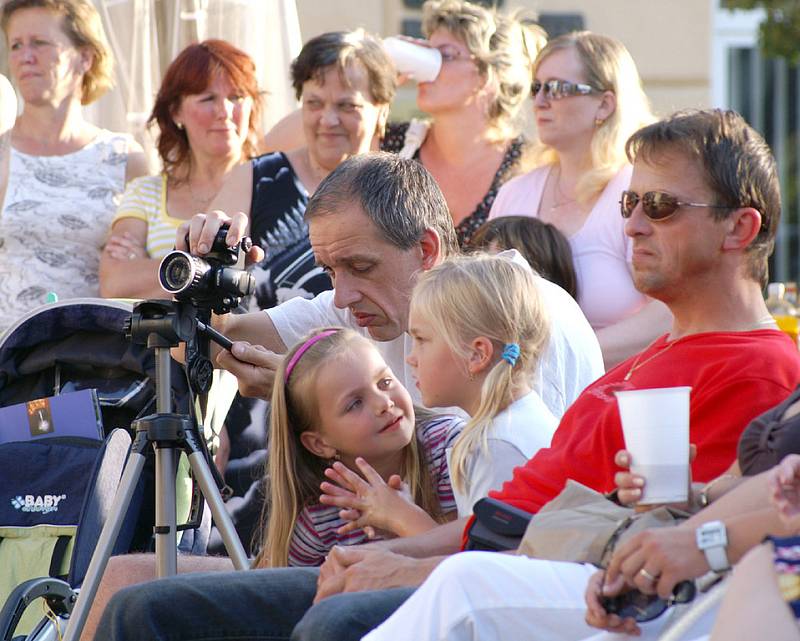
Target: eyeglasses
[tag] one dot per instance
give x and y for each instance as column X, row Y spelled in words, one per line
column 558, row 89
column 657, row 205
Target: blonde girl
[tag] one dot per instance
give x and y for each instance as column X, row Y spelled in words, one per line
column 335, row 399
column 479, row 327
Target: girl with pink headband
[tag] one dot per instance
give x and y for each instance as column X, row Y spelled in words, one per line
column 339, row 402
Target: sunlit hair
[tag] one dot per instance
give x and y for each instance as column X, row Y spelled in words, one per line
column 294, row 473
column 503, row 47
column 191, row 73
column 339, row 50
column 545, row 248
column 484, row 296
column 82, row 25
column 608, row 66
column 735, row 162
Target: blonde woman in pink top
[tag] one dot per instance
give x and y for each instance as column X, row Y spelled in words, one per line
column 587, row 100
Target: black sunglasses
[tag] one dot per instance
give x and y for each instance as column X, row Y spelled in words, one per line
column 643, row 607
column 657, row 205
column 558, row 89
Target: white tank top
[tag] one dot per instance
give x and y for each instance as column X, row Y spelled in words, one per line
column 54, row 222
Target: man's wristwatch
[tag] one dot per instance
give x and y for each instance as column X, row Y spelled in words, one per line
column 712, row 539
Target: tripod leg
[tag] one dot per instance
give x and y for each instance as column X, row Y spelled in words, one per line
column 221, row 517
column 166, row 532
column 108, row 536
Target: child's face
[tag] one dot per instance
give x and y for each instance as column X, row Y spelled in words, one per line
column 364, row 410
column 442, row 376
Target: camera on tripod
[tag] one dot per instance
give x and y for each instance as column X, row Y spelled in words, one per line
column 215, row 281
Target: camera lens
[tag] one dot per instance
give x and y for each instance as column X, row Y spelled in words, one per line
column 177, row 272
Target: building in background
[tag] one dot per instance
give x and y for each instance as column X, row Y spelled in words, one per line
column 690, row 53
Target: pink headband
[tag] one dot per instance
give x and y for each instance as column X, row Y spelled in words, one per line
column 303, row 349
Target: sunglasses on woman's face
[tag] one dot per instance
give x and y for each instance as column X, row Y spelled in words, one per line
column 558, row 89
column 643, row 607
column 657, row 205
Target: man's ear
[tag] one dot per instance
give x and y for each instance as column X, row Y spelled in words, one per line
column 481, row 354
column 743, row 226
column 315, row 443
column 431, row 246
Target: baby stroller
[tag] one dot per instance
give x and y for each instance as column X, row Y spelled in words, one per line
column 66, row 347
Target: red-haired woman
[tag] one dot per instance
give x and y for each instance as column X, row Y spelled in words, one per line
column 207, row 111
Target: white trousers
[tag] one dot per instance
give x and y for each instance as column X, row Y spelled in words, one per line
column 486, row 596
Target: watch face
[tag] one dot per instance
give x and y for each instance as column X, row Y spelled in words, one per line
column 711, row 535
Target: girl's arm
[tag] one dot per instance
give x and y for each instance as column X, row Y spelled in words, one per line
column 372, row 502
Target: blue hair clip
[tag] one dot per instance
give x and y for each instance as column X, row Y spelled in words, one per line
column 511, row 353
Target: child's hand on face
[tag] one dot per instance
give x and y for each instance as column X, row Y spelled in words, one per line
column 368, row 503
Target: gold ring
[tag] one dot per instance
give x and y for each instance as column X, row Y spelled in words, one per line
column 648, row 576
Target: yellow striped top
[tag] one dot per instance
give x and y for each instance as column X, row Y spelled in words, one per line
column 145, row 199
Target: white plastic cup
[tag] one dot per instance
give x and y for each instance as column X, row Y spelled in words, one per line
column 655, row 423
column 420, row 63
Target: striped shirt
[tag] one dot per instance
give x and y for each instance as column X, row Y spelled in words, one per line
column 145, row 199
column 315, row 530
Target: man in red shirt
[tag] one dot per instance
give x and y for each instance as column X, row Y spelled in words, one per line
column 702, row 210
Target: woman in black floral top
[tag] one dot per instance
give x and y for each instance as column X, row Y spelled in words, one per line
column 471, row 145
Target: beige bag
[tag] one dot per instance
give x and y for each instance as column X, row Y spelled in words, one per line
column 583, row 526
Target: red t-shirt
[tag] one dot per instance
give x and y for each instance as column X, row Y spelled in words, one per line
column 735, row 376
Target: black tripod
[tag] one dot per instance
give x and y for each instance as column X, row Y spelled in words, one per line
column 162, row 325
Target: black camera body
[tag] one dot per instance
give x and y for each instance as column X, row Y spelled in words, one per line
column 216, row 281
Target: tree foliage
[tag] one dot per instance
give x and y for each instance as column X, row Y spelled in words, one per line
column 779, row 33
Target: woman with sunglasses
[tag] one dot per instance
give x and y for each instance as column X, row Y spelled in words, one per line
column 587, row 100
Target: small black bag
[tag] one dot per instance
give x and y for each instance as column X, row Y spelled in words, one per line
column 497, row 526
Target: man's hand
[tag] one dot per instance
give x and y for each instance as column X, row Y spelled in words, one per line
column 253, row 366
column 668, row 554
column 596, row 616
column 362, row 568
column 630, row 486
column 201, row 230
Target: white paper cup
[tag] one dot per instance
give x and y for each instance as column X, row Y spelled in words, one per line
column 421, row 63
column 655, row 423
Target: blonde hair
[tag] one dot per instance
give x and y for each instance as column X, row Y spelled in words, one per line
column 504, row 48
column 609, row 67
column 83, row 26
column 294, row 473
column 494, row 297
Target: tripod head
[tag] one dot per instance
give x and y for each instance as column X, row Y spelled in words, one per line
column 167, row 324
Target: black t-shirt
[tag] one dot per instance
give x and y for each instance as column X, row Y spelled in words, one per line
column 277, row 226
